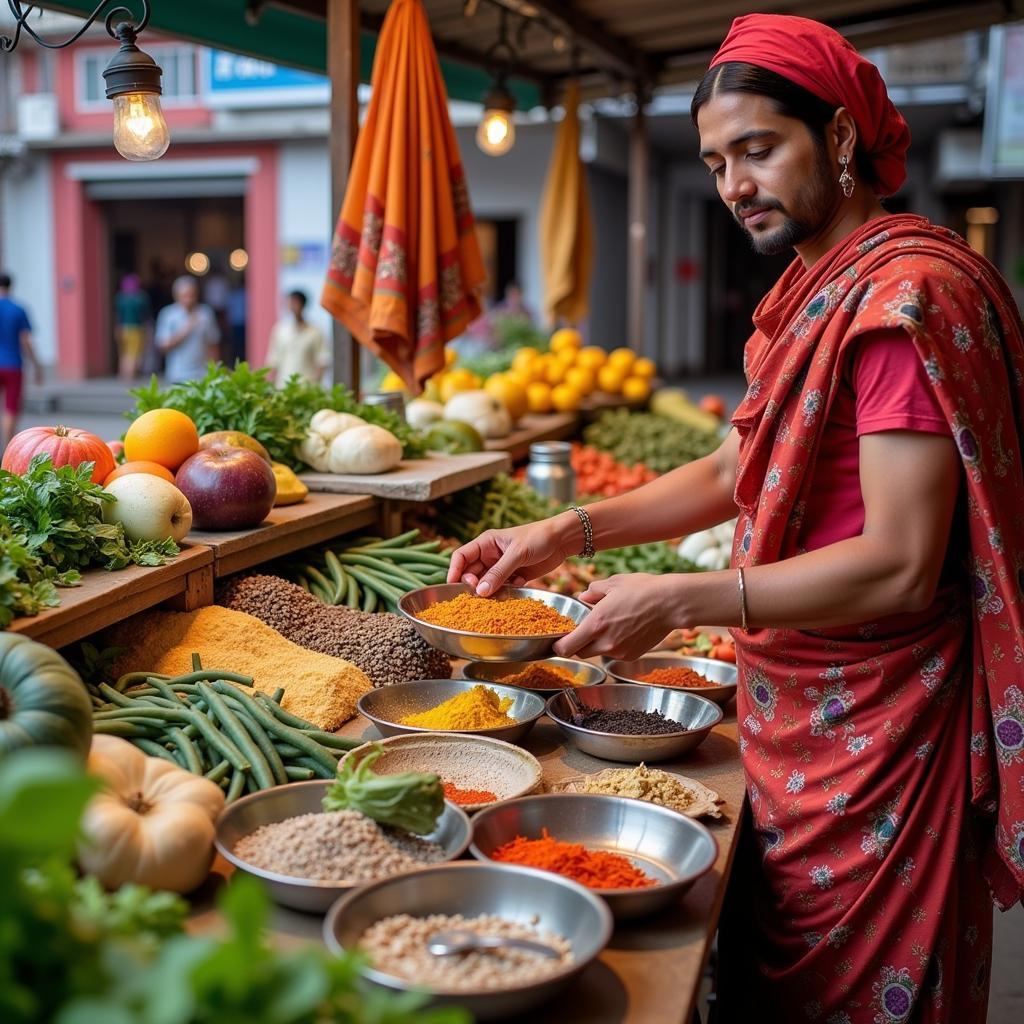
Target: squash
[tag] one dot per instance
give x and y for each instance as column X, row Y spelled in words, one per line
column 313, row 452
column 66, row 446
column 290, row 489
column 480, row 410
column 329, row 424
column 367, row 449
column 152, row 824
column 43, row 701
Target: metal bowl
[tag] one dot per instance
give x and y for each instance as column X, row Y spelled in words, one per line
column 664, row 844
column 271, row 805
column 538, row 898
column 721, row 675
column 493, row 671
column 697, row 716
column 460, row 643
column 467, row 761
column 388, row 705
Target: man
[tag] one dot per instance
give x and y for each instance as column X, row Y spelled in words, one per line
column 15, row 349
column 877, row 594
column 296, row 345
column 186, row 333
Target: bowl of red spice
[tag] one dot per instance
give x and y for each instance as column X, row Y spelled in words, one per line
column 545, row 678
column 515, row 624
column 476, row 770
column 706, row 677
column 639, row 857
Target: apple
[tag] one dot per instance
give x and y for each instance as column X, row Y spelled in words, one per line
column 228, row 488
column 117, row 448
column 148, row 507
column 234, row 439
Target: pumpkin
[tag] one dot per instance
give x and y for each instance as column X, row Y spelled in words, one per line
column 152, row 823
column 66, row 446
column 43, row 701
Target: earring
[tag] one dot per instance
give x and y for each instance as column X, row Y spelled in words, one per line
column 846, row 182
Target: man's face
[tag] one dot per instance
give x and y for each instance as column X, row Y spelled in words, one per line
column 295, row 306
column 770, row 170
column 187, row 296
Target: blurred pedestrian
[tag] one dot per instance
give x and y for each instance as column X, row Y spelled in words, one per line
column 236, row 322
column 133, row 318
column 15, row 350
column 296, row 345
column 186, row 333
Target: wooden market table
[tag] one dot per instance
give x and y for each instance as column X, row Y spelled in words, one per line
column 650, row 972
column 556, row 426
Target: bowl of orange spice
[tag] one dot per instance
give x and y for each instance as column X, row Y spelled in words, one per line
column 706, row 677
column 516, row 624
column 542, row 677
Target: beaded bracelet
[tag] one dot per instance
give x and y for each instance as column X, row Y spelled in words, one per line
column 588, row 532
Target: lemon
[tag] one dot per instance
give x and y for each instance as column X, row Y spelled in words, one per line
column 392, row 382
column 509, row 392
column 524, row 358
column 591, row 357
column 538, row 397
column 623, row 358
column 610, row 378
column 565, row 398
column 636, row 389
column 583, row 379
column 644, row 368
column 451, row 357
column 565, row 338
column 522, row 378
column 555, row 371
column 458, row 380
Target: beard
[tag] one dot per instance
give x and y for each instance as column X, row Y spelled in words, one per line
column 811, row 207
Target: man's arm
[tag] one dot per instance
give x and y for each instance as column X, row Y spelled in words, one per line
column 28, row 353
column 166, row 339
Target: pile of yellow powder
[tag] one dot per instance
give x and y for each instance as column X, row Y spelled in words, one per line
column 478, row 708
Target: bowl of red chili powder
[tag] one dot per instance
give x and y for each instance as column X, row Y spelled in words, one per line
column 706, row 677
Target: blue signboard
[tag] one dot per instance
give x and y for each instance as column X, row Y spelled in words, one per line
column 232, row 80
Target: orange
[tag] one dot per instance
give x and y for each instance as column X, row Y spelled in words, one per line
column 610, row 378
column 507, row 390
column 644, row 367
column 164, row 436
column 153, row 468
column 523, row 358
column 581, row 378
column 565, row 398
column 636, row 389
column 623, row 358
column 593, row 357
column 458, row 380
column 538, row 396
column 565, row 338
column 554, row 372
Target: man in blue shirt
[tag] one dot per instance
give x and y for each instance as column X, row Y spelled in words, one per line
column 15, row 350
column 186, row 333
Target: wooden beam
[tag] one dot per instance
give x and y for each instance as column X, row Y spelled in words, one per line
column 639, row 189
column 343, row 71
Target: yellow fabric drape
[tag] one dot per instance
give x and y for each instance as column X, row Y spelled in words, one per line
column 566, row 228
column 405, row 270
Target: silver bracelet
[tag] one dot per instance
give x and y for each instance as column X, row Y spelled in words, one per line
column 743, row 598
column 588, row 532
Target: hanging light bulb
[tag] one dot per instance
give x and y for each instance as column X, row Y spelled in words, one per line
column 133, row 83
column 496, row 133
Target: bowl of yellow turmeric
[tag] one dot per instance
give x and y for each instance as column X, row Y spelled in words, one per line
column 452, row 705
column 515, row 624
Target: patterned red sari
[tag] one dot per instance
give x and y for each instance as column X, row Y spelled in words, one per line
column 885, row 760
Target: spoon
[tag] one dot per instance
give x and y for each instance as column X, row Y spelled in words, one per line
column 462, row 940
column 579, row 712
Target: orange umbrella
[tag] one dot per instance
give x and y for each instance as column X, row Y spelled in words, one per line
column 566, row 229
column 405, row 269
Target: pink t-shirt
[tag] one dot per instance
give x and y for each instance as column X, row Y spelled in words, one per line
column 884, row 387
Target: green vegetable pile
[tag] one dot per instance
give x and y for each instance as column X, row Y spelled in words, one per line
column 245, row 399
column 71, row 954
column 494, row 505
column 412, row 801
column 657, row 558
column 51, row 527
column 203, row 724
column 660, row 443
column 369, row 573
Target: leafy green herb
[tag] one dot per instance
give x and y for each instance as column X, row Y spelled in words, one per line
column 410, row 800
column 26, row 585
column 245, row 399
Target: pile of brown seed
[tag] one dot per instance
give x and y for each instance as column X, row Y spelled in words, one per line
column 386, row 647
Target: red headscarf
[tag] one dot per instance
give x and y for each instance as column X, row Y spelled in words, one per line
column 820, row 60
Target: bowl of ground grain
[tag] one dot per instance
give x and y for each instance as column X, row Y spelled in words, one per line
column 308, row 857
column 545, row 678
column 453, row 705
column 392, row 921
column 492, row 768
column 627, row 722
column 516, row 624
column 652, row 854
column 706, row 677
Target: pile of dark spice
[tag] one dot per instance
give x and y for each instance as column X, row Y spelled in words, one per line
column 630, row 722
column 386, row 647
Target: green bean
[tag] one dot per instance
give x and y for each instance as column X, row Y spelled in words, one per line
column 239, row 735
column 383, row 589
column 236, row 787
column 377, row 565
column 125, row 729
column 369, row 602
column 153, row 749
column 144, row 712
column 352, row 591
column 262, row 740
column 330, row 739
column 277, row 695
column 288, row 750
column 400, row 541
column 405, row 556
column 128, row 678
column 197, row 662
column 278, row 712
column 219, row 771
column 218, row 741
column 193, row 762
column 316, row 577
column 207, row 675
column 285, row 732
column 115, row 697
column 337, row 571
column 296, row 773
column 251, row 785
column 318, row 769
column 320, row 594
